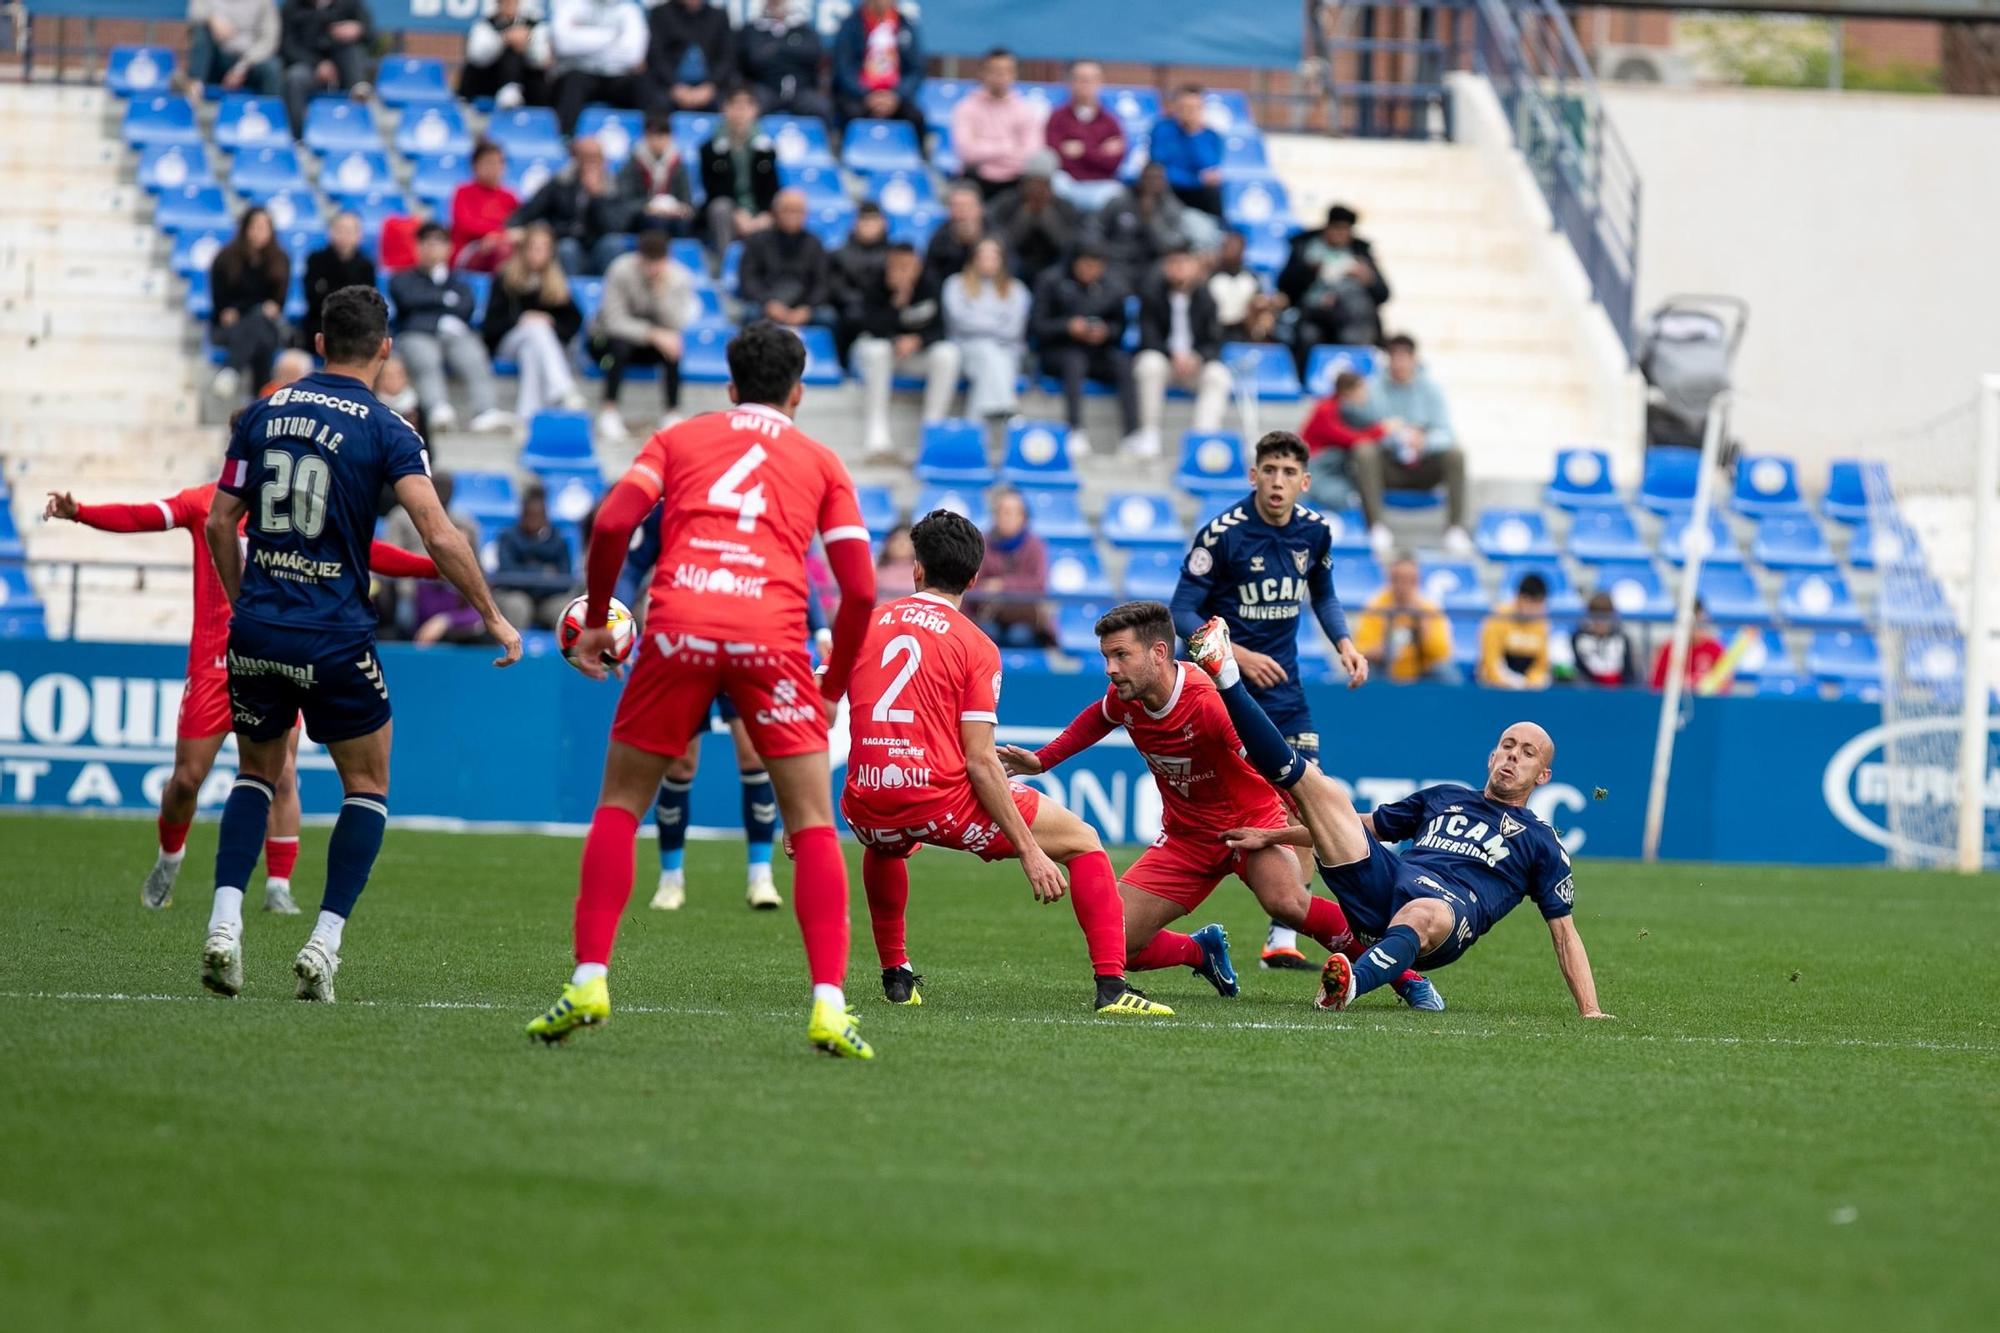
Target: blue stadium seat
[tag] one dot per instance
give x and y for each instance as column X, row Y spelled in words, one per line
column 338, row 125
column 1244, row 158
column 157, row 120
column 690, row 255
column 400, row 80
column 1356, row 578
column 527, row 131
column 1908, row 596
column 588, row 293
column 1844, row 658
column 1819, row 601
column 1453, row 585
column 1266, row 246
column 259, row 171
column 1792, row 541
column 1076, row 573
column 482, row 289
column 1141, row 520
column 799, row 140
column 732, row 267
column 1256, row 203
column 916, row 228
column 1038, row 455
column 1514, row 534
column 292, row 209
column 10, row 538
column 703, row 358
column 244, row 120
column 881, row 145
column 818, row 181
column 1765, row 657
column 900, row 190
column 528, row 172
column 694, row 127
column 1266, row 366
column 1055, row 514
column 1729, row 593
column 1212, row 463
column 557, row 439
column 1347, row 529
column 953, row 453
column 193, row 206
column 1564, row 601
column 822, row 358
column 138, row 71
column 1151, row 575
column 1848, row 481
column 967, row 502
column 436, row 178
column 1635, row 588
column 195, row 247
column 615, row 130
column 1329, row 359
column 1767, row 484
column 1226, row 109
column 573, row 492
column 1076, row 632
column 377, row 207
column 200, row 300
column 937, row 97
column 171, row 166
column 1937, row 663
column 830, row 219
column 1136, row 107
column 21, row 612
column 1668, row 486
column 1606, row 532
column 1582, row 480
column 1674, row 540
column 433, row 127
column 878, row 509
column 483, row 496
column 1883, row 545
column 356, row 172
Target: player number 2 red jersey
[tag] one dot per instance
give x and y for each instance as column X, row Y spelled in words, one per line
column 924, row 669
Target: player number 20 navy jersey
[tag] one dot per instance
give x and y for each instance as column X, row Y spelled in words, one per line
column 1484, row 855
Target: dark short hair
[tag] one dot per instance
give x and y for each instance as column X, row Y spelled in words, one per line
column 534, row 491
column 486, row 148
column 1601, row 604
column 1283, row 444
column 741, row 91
column 430, row 229
column 1186, row 88
column 867, row 208
column 652, row 243
column 1401, row 342
column 1341, row 214
column 1178, row 247
column 658, row 123
column 1087, row 250
column 949, row 548
column 1533, row 587
column 1151, row 621
column 353, row 321
column 1347, row 379
column 765, row 362
column 997, row 53
column 903, row 248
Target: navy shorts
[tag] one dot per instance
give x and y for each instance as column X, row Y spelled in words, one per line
column 333, row 677
column 1372, row 891
column 1294, row 721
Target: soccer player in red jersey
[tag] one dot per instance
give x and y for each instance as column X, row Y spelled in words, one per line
column 745, row 491
column 921, row 769
column 204, row 716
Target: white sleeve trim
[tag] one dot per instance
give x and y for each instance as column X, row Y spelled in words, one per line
column 1104, row 707
column 994, row 718
column 851, row 533
column 646, row 470
column 165, row 512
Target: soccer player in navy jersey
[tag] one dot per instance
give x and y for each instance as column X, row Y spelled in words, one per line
column 304, row 468
column 1473, row 855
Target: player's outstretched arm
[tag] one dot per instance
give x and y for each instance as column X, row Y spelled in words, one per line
column 225, row 512
column 448, row 547
column 1575, row 965
column 1085, row 730
column 1257, row 839
column 151, row 516
column 989, row 784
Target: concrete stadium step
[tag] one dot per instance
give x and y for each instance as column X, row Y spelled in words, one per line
column 96, row 404
column 32, row 153
column 61, row 196
column 50, row 99
column 86, row 365
column 106, row 321
column 42, row 239
column 91, row 280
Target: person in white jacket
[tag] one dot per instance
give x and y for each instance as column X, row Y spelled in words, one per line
column 507, row 55
column 234, row 44
column 600, row 52
column 986, row 318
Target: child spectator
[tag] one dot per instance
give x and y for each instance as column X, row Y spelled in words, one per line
column 1514, row 641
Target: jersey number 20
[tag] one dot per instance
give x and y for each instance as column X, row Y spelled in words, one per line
column 304, row 485
column 725, row 494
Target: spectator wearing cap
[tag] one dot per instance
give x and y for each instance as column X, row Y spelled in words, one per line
column 878, row 65
column 855, row 270
column 1180, row 342
column 1417, row 450
column 507, row 55
column 986, row 317
column 1087, row 138
column 691, row 59
column 434, row 312
column 648, row 302
column 1404, row 634
column 785, row 276
column 1601, row 648
column 1331, row 278
column 600, row 52
column 234, row 43
column 341, row 262
column 653, row 183
column 964, row 227
column 1190, row 151
column 1514, row 640
column 581, row 205
column 901, row 332
column 739, row 173
column 994, row 128
column 779, row 54
column 1079, row 324
column 1037, row 226
column 324, row 45
column 480, row 209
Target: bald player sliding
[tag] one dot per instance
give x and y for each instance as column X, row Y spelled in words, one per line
column 1473, row 855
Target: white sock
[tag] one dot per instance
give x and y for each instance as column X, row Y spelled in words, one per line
column 760, row 874
column 674, row 877
column 588, row 972
column 829, row 994
column 1282, row 937
column 173, row 859
column 272, row 884
column 1230, row 673
column 227, row 913
column 328, row 930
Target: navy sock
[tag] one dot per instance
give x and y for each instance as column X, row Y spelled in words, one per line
column 1386, row 960
column 670, row 820
column 1263, row 744
column 240, row 840
column 760, row 815
column 350, row 852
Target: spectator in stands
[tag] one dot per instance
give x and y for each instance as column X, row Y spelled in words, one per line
column 600, row 51
column 393, row 387
column 785, row 276
column 324, row 47
column 1008, row 598
column 1079, row 324
column 1705, row 654
column 691, row 63
column 340, row 263
column 1190, row 151
column 480, row 209
column 1180, row 343
column 855, row 270
column 994, row 128
column 896, row 566
column 779, row 54
column 1249, row 314
column 648, row 301
column 739, row 173
column 531, row 570
column 1404, row 634
column 964, row 227
column 530, row 318
column 1333, row 432
column 247, row 283
column 1139, row 225
column 1514, row 640
column 1418, row 450
column 434, row 311
column 653, row 183
column 1037, row 225
column 396, row 599
column 582, row 207
column 878, row 64
column 1331, row 278
column 901, row 331
column 507, row 55
column 986, row 317
column 1087, row 138
column 234, row 43
column 1601, row 648
column 293, row 364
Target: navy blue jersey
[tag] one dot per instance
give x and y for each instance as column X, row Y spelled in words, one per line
column 310, row 461
column 1486, row 856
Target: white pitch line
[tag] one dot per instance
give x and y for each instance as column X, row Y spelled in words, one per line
column 1412, row 1028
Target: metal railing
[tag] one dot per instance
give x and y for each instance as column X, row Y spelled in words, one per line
column 65, row 579
column 1380, row 65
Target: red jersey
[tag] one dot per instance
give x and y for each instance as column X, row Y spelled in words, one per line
column 924, row 668
column 745, row 491
column 1206, row 785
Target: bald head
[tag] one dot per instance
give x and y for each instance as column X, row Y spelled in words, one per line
column 1521, row 761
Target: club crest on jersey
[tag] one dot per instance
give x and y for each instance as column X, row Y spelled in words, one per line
column 1256, row 564
column 1174, row 771
column 1200, row 562
column 1300, row 559
column 1509, row 826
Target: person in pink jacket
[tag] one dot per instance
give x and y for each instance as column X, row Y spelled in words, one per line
column 994, row 129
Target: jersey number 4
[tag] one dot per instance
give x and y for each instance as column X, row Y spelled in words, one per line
column 302, row 486
column 727, row 493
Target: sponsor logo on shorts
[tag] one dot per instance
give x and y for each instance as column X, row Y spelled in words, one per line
column 245, row 716
column 719, row 582
column 239, row 665
column 789, row 711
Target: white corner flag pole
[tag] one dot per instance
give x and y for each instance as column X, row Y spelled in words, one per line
column 1694, row 550
column 1974, row 725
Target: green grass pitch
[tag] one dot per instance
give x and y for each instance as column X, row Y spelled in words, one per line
column 1793, row 1123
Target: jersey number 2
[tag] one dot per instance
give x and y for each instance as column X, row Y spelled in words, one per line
column 884, row 706
column 725, row 494
column 304, row 485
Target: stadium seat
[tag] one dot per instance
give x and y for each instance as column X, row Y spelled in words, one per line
column 1815, row 600
column 1076, row 627
column 822, row 358
column 10, row 539
column 1140, row 520
column 615, row 130
column 937, row 97
column 1212, row 464
column 193, row 206
column 953, row 453
column 916, row 228
column 527, row 131
column 260, row 171
column 1765, row 657
column 337, row 125
column 1255, row 203
column 1329, row 359
column 1848, row 481
column 1076, row 572
column 818, row 181
column 881, row 145
column 1244, row 158
column 483, row 496
column 1265, row 366
column 1514, row 534
column 732, row 267
column 1937, row 663
column 573, row 492
column 799, row 140
column 1880, row 546
column 1582, row 480
column 878, row 509
column 1675, row 537
column 1348, row 529
column 1356, row 578
column 292, row 208
column 356, row 172
column 557, row 439
column 1908, row 597
column 830, row 219
column 1606, row 532
column 243, row 120
column 1766, row 484
column 1152, row 574
column 1792, row 541
column 1668, row 486
column 1635, row 588
column 694, row 127
column 703, row 358
column 1842, row 658
column 158, row 121
column 1730, row 595
column 1226, row 109
column 967, row 502
column 400, row 80
column 1038, row 455
column 1454, row 585
column 200, row 299
column 690, row 254
column 1055, row 514
column 171, row 166
column 1135, row 105
column 900, row 190
column 137, row 71
column 195, row 247
column 376, row 208
column 433, row 127
column 436, row 178
column 528, row 172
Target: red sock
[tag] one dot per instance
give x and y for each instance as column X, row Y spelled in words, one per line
column 280, row 855
column 1408, row 977
column 819, row 897
column 887, row 882
column 604, row 884
column 1169, row 948
column 1093, row 892
column 173, row 837
column 1326, row 924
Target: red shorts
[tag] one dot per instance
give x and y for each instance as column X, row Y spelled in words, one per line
column 1183, row 869
column 953, row 819
column 678, row 676
column 205, row 706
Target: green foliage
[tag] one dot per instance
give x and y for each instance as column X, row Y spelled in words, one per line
column 1782, row 51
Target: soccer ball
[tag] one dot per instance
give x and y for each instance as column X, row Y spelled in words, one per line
column 616, row 619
